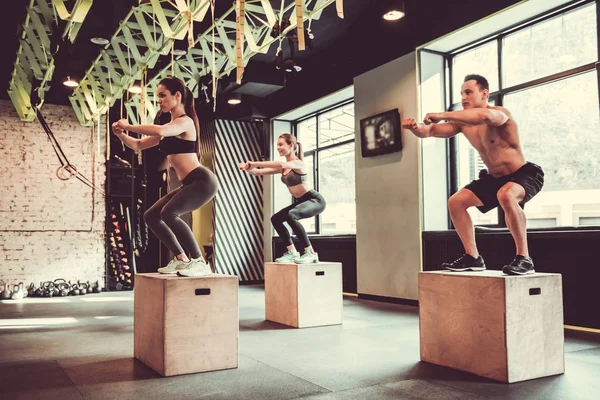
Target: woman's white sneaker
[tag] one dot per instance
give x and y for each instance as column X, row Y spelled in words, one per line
column 173, row 266
column 195, row 268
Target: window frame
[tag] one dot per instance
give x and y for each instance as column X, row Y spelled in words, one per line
column 498, row 96
column 315, row 154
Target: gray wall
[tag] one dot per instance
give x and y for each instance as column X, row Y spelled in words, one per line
column 388, row 207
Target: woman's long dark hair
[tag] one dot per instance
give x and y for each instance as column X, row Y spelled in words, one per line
column 174, row 85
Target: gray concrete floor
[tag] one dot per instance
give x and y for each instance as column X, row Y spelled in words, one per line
column 82, row 347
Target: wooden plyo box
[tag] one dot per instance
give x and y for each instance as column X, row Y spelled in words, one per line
column 304, row 295
column 507, row 328
column 186, row 325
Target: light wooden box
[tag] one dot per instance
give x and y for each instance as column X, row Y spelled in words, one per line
column 507, row 328
column 186, row 325
column 304, row 295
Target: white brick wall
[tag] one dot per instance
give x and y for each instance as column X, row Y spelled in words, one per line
column 50, row 228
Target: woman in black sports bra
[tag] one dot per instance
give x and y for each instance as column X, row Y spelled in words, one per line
column 307, row 202
column 179, row 139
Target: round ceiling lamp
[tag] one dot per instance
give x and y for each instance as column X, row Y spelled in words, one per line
column 395, row 13
column 72, row 83
column 99, row 41
column 235, row 99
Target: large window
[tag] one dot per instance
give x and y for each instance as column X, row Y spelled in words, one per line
column 327, row 139
column 482, row 60
column 544, row 74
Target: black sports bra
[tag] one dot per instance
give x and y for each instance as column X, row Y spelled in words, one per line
column 173, row 145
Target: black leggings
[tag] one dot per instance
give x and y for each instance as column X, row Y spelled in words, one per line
column 309, row 205
column 199, row 187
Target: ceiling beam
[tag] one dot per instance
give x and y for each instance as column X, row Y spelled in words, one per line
column 198, row 60
column 34, row 65
column 146, row 33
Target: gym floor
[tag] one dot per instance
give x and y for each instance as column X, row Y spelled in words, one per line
column 82, row 347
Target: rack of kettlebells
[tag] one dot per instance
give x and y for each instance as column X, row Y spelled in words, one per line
column 56, row 288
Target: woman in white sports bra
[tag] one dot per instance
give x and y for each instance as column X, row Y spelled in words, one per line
column 307, row 202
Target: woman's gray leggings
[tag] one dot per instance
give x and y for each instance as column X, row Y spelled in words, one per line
column 199, row 187
column 306, row 206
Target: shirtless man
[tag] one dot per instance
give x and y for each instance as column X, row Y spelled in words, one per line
column 508, row 182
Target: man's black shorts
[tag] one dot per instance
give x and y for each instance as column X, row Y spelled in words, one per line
column 530, row 176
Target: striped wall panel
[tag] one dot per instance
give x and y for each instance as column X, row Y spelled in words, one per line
column 208, row 133
column 238, row 239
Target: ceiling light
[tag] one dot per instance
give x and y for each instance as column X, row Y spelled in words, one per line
column 99, row 41
column 70, row 82
column 288, row 65
column 393, row 15
column 180, row 47
column 135, row 89
column 395, row 12
column 235, row 99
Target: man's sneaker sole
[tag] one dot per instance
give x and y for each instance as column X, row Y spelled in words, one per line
column 465, row 269
column 515, row 273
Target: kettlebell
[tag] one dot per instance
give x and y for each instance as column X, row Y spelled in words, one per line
column 6, row 293
column 97, row 288
column 39, row 290
column 61, row 287
column 17, row 294
column 64, row 289
column 51, row 290
column 48, row 289
column 74, row 290
column 82, row 288
column 23, row 289
column 31, row 290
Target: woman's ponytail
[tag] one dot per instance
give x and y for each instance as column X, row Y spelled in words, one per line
column 299, row 151
column 190, row 110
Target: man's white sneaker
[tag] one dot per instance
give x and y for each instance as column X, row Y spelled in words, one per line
column 173, row 266
column 195, row 268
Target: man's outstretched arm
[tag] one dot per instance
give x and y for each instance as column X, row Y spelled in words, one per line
column 472, row 116
column 445, row 130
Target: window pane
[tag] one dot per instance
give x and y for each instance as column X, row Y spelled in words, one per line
column 310, row 224
column 336, row 182
column 482, row 60
column 469, row 165
column 551, row 46
column 336, row 125
column 307, row 133
column 560, row 130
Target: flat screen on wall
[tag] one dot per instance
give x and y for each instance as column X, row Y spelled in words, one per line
column 381, row 134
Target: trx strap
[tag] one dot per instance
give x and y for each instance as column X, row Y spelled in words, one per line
column 66, row 170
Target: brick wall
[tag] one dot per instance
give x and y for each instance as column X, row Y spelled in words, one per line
column 50, row 228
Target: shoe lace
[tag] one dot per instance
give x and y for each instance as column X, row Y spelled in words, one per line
column 172, row 262
column 460, row 260
column 520, row 262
